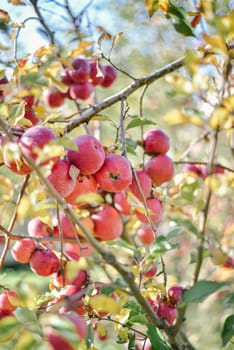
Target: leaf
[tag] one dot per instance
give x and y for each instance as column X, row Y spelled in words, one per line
column 175, row 232
column 121, row 243
column 17, row 2
column 156, row 339
column 159, row 246
column 179, row 19
column 200, row 290
column 104, row 118
column 8, row 327
column 228, row 330
column 116, row 39
column 175, row 117
column 91, row 197
column 4, row 16
column 17, row 111
column 67, row 142
column 130, row 146
column 139, row 121
column 152, row 6
column 104, row 303
column 140, row 319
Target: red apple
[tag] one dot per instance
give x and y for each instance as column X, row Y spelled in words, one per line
column 175, row 293
column 109, row 76
column 84, row 184
column 81, row 91
column 65, row 77
column 155, row 211
column 36, row 137
column 13, row 159
column 90, row 154
column 81, row 70
column 156, row 141
column 74, row 251
column 44, row 262
column 22, row 250
column 96, row 73
column 146, row 234
column 151, row 272
column 53, row 97
column 145, row 182
column 121, row 203
column 63, row 177
column 55, row 340
column 3, row 81
column 68, row 228
column 38, row 228
column 160, row 169
column 7, row 299
column 108, row 224
column 115, row 175
column 31, row 116
column 192, row 169
column 168, row 312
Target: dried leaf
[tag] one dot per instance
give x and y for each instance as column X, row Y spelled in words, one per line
column 4, row 16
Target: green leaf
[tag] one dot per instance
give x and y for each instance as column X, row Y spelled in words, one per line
column 175, row 232
column 67, row 142
column 156, row 338
column 160, row 246
column 139, row 121
column 130, row 146
column 200, row 290
column 137, row 319
column 228, row 330
column 179, row 19
column 8, row 328
column 131, row 342
column 33, row 79
column 152, row 6
column 17, row 112
column 121, row 243
column 90, row 338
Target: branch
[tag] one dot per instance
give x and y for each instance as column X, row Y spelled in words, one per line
column 43, row 22
column 123, row 94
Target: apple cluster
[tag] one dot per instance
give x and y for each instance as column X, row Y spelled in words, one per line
column 165, row 306
column 80, row 81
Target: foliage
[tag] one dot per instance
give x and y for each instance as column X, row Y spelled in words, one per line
column 125, row 262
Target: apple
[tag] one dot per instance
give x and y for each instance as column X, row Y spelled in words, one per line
column 151, row 272
column 31, row 116
column 13, row 158
column 145, row 182
column 81, row 91
column 156, row 142
column 7, row 299
column 81, row 70
column 84, row 184
column 90, row 154
column 155, row 211
column 192, row 169
column 53, row 97
column 96, row 73
column 3, row 81
column 63, row 177
column 108, row 224
column 145, row 234
column 168, row 312
column 121, row 203
column 68, row 228
column 109, row 76
column 55, row 340
column 44, row 262
column 37, row 228
column 36, row 137
column 175, row 294
column 65, row 77
column 115, row 174
column 74, row 251
column 160, row 169
column 22, row 250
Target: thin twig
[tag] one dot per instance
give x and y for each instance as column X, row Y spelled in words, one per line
column 148, row 79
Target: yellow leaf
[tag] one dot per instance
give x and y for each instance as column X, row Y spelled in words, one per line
column 174, row 117
column 81, row 48
column 73, row 267
column 116, row 38
column 91, row 197
column 216, row 42
column 44, row 51
column 4, row 16
column 24, row 208
column 219, row 117
column 6, row 188
column 104, row 303
column 17, row 2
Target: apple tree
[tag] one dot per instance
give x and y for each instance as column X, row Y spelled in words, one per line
column 116, row 177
